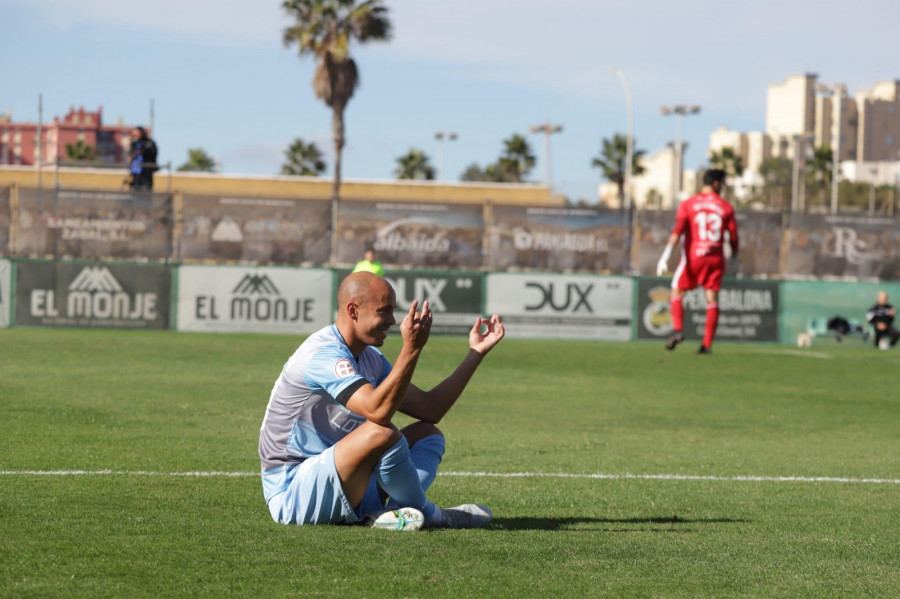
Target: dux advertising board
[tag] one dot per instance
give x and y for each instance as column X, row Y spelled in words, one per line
column 93, row 294
column 5, row 285
column 454, row 297
column 562, row 306
column 258, row 300
column 748, row 311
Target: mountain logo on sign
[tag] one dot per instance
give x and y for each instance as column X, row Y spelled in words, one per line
column 254, row 283
column 95, row 278
column 256, row 299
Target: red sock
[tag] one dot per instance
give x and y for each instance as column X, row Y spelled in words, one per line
column 677, row 313
column 712, row 320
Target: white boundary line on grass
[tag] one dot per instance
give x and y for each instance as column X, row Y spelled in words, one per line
column 689, row 477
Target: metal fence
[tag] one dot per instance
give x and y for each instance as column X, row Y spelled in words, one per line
column 176, row 227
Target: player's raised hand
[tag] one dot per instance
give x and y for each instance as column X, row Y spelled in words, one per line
column 661, row 267
column 486, row 334
column 416, row 326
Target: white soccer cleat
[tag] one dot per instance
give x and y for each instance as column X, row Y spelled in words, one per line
column 468, row 515
column 404, row 518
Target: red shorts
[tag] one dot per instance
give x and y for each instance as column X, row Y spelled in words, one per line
column 704, row 271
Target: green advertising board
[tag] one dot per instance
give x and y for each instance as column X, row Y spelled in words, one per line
column 806, row 303
column 455, row 297
column 748, row 310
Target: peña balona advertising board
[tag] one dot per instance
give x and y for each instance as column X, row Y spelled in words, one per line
column 748, row 310
column 251, row 299
column 92, row 294
column 562, row 306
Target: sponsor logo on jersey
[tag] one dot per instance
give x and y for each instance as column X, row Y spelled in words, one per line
column 344, row 368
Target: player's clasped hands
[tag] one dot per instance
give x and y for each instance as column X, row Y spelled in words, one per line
column 486, row 334
column 416, row 326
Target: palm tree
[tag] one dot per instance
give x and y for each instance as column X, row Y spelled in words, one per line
column 80, row 150
column 199, row 161
column 303, row 159
column 777, row 174
column 727, row 160
column 818, row 169
column 414, row 165
column 473, row 172
column 612, row 158
column 517, row 159
column 325, row 29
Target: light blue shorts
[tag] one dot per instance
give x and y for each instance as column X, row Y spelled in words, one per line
column 315, row 495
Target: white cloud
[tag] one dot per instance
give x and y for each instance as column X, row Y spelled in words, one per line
column 703, row 51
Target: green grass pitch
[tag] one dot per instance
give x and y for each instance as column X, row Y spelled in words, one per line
column 144, row 406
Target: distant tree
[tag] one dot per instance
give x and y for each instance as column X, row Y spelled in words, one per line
column 819, row 170
column 778, row 176
column 414, row 164
column 612, row 158
column 727, row 160
column 303, row 158
column 80, row 150
column 517, row 160
column 198, row 161
column 473, row 172
column 325, row 29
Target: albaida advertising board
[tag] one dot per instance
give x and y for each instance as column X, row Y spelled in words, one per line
column 92, row 294
column 453, row 296
column 748, row 310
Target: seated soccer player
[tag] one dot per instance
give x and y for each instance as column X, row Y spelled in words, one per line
column 329, row 450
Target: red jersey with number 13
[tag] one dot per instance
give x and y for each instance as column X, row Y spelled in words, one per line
column 703, row 220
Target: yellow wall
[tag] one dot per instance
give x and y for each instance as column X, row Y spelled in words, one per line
column 289, row 187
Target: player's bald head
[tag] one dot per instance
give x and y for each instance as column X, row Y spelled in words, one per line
column 361, row 288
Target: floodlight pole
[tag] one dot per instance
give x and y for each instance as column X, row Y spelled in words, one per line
column 629, row 143
column 547, row 129
column 440, row 136
column 40, row 148
column 680, row 111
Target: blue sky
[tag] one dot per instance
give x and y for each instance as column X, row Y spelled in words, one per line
column 221, row 79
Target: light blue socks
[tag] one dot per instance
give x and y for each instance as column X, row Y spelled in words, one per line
column 406, row 473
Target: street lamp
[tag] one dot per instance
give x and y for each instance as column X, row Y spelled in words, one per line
column 629, row 145
column 547, row 129
column 836, row 92
column 440, row 135
column 800, row 141
column 680, row 111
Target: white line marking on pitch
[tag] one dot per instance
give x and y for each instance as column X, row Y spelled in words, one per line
column 688, row 477
column 800, row 353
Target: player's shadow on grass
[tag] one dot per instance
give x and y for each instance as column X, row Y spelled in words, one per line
column 672, row 523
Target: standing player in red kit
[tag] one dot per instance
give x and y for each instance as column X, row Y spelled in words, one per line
column 703, row 220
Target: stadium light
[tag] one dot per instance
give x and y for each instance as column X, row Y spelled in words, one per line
column 680, row 111
column 440, row 136
column 836, row 92
column 547, row 129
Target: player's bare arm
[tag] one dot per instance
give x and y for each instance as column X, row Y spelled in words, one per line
column 433, row 405
column 379, row 404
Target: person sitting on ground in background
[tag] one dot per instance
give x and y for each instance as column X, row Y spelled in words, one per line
column 881, row 317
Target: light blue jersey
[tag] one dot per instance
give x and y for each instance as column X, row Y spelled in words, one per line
column 306, row 413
